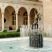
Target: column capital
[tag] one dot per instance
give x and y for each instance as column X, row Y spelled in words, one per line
column 29, row 14
column 2, row 12
column 16, row 13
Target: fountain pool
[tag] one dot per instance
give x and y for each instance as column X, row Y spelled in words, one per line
column 22, row 45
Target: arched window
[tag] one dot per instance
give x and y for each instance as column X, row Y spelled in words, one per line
column 13, row 18
column 25, row 14
column 25, row 18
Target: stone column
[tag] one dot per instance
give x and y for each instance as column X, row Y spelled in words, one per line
column 28, row 21
column 16, row 21
column 2, row 21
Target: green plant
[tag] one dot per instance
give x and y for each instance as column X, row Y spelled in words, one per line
column 29, row 33
column 9, row 34
column 18, row 30
column 4, row 30
column 43, row 33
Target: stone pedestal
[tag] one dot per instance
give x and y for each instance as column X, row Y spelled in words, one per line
column 36, row 40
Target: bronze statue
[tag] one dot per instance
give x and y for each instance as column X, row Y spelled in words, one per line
column 36, row 23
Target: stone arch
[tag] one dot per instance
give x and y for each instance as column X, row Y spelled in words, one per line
column 22, row 14
column 22, row 7
column 33, row 15
column 36, row 11
column 10, row 18
column 35, row 8
column 10, row 6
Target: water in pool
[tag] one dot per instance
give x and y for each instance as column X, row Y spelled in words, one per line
column 23, row 46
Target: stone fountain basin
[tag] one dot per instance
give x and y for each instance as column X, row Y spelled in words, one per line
column 21, row 44
column 36, row 40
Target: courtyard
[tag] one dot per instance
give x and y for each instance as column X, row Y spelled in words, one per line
column 21, row 19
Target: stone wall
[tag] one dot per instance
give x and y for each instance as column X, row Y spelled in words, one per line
column 47, row 14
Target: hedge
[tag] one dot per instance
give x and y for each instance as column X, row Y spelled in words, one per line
column 18, row 30
column 9, row 34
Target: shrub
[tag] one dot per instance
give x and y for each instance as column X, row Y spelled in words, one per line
column 43, row 33
column 9, row 34
column 18, row 30
column 4, row 30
